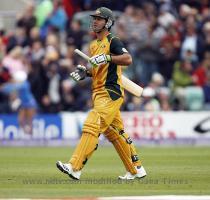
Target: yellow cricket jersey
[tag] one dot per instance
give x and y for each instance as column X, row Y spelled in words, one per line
column 107, row 76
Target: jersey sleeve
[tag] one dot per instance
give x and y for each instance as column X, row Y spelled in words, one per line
column 117, row 47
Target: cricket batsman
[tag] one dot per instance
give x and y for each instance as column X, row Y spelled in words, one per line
column 108, row 55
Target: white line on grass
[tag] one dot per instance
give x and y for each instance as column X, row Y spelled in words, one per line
column 161, row 197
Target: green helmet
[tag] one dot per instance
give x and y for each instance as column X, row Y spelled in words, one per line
column 105, row 13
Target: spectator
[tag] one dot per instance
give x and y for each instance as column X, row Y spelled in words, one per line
column 5, row 76
column 163, row 96
column 169, row 50
column 19, row 38
column 192, row 42
column 14, row 60
column 157, row 81
column 200, row 75
column 56, row 20
column 51, row 98
column 75, row 35
column 24, row 102
column 71, row 7
column 42, row 11
column 27, row 19
column 52, row 39
column 181, row 78
column 206, row 31
column 37, row 51
column 2, row 47
column 34, row 35
column 206, row 90
column 165, row 18
column 150, row 103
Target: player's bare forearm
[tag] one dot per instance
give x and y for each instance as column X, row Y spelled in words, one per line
column 124, row 59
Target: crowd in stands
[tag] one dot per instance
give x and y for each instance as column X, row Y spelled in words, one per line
column 168, row 40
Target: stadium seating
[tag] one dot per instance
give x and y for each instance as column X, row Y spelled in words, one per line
column 194, row 98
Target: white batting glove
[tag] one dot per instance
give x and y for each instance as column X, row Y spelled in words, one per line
column 100, row 60
column 80, row 73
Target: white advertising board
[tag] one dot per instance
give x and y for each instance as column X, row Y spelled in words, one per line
column 150, row 125
column 141, row 126
column 167, row 125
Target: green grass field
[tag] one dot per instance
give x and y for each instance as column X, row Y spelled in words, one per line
column 31, row 172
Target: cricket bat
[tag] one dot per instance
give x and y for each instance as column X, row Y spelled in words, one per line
column 127, row 84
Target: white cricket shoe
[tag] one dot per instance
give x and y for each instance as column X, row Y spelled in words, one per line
column 67, row 169
column 141, row 173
